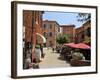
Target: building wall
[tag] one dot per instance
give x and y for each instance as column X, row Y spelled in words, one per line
column 32, row 23
column 83, row 31
column 51, row 30
column 27, row 22
column 70, row 31
column 80, row 34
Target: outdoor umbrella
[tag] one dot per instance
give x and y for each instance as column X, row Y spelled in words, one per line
column 79, row 45
column 82, row 46
column 73, row 45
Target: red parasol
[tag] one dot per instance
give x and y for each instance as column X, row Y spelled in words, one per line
column 82, row 46
column 70, row 45
column 79, row 45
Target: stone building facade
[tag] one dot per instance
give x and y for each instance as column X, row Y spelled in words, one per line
column 83, row 33
column 69, row 30
column 51, row 30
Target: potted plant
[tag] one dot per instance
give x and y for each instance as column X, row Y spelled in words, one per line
column 77, row 59
column 77, row 56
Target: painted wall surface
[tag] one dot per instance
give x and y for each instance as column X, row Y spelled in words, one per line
column 5, row 40
column 50, row 27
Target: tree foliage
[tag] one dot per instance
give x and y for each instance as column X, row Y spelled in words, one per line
column 83, row 17
column 61, row 39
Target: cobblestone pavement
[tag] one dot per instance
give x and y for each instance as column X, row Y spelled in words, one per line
column 52, row 60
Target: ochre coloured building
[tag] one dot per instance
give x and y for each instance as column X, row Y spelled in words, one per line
column 83, row 33
column 51, row 30
column 69, row 30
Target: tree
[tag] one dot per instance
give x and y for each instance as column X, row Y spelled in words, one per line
column 61, row 39
column 83, row 17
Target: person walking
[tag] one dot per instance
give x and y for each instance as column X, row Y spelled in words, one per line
column 41, row 48
column 53, row 48
column 37, row 53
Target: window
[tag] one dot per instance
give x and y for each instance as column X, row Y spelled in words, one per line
column 88, row 32
column 50, row 34
column 58, row 29
column 44, row 26
column 50, row 26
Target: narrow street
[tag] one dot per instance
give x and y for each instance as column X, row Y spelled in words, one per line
column 52, row 60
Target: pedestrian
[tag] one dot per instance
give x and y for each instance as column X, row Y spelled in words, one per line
column 53, row 48
column 41, row 48
column 37, row 53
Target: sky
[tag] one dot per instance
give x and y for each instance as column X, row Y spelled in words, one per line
column 63, row 18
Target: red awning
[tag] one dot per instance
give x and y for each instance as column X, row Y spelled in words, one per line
column 79, row 45
column 82, row 46
column 70, row 45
